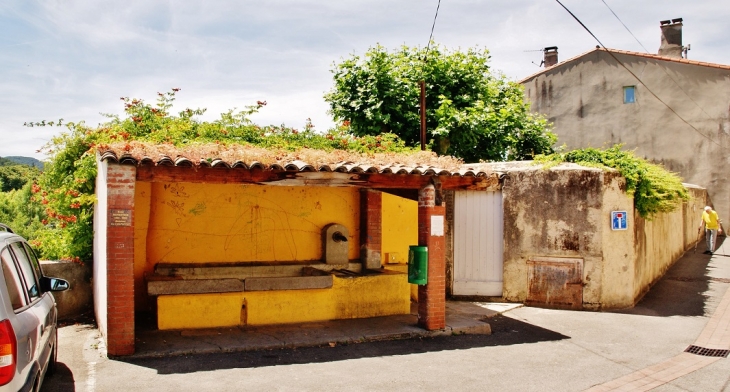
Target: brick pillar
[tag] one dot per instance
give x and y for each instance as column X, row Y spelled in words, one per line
column 371, row 219
column 431, row 226
column 120, row 259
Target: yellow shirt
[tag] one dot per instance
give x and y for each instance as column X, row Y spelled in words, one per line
column 710, row 220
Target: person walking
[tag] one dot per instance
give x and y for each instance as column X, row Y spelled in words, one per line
column 712, row 225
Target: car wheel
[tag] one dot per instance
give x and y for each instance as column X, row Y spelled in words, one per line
column 37, row 383
column 53, row 360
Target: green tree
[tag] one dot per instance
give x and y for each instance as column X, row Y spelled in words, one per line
column 471, row 113
column 15, row 176
column 19, row 211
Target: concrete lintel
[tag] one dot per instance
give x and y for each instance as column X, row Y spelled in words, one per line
column 193, row 286
column 242, row 271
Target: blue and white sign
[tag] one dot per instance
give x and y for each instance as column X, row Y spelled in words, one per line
column 618, row 220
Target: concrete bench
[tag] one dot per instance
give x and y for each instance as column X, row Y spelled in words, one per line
column 202, row 278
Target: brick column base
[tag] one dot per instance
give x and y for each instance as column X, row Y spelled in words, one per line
column 431, row 226
column 120, row 259
column 371, row 218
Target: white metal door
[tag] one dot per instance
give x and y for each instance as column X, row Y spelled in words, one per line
column 478, row 243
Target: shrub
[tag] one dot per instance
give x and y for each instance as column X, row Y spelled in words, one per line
column 655, row 189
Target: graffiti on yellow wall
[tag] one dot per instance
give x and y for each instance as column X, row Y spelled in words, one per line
column 246, row 223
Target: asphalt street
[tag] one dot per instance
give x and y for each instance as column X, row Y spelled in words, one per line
column 530, row 349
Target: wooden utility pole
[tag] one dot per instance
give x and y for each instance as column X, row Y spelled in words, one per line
column 423, row 115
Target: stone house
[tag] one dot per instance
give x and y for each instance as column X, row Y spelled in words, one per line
column 672, row 110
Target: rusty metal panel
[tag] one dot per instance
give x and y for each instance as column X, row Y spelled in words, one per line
column 555, row 282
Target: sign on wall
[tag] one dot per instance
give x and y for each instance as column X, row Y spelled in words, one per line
column 619, row 220
column 120, row 217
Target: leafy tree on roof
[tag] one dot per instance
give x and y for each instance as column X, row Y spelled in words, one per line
column 471, row 112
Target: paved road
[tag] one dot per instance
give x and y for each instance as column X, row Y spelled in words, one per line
column 530, row 349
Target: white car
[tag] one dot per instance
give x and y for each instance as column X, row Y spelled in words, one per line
column 28, row 335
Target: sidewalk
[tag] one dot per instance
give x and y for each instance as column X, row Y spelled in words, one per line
column 712, row 344
column 462, row 318
column 529, row 349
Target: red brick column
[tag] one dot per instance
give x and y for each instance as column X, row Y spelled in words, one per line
column 120, row 259
column 371, row 222
column 432, row 296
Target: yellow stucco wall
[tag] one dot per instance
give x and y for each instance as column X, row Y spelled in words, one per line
column 399, row 231
column 400, row 227
column 359, row 297
column 185, row 222
column 239, row 223
column 611, row 285
column 142, row 191
column 664, row 239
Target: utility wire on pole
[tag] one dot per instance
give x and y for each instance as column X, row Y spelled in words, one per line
column 637, row 77
column 422, row 83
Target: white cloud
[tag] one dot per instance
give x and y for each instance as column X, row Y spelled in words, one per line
column 74, row 59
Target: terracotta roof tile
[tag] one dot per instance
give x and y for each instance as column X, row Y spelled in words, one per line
column 306, row 160
column 630, row 53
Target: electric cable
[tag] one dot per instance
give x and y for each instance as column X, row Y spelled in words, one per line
column 636, row 77
column 626, row 27
column 433, row 26
column 662, row 68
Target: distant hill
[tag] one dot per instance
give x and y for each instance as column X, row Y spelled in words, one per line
column 5, row 161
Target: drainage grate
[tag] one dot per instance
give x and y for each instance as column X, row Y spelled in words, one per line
column 707, row 352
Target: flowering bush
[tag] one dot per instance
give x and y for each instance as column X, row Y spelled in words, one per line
column 65, row 190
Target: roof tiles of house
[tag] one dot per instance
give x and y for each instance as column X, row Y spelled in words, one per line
column 304, row 160
column 629, row 53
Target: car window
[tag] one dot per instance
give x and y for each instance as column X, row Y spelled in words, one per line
column 33, row 260
column 27, row 271
column 12, row 280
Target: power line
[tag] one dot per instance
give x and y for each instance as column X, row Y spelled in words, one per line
column 626, row 27
column 433, row 26
column 663, row 69
column 636, row 77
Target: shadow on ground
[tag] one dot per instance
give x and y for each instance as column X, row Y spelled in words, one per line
column 505, row 331
column 61, row 381
column 683, row 289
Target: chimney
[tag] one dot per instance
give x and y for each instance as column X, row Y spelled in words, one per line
column 671, row 45
column 550, row 56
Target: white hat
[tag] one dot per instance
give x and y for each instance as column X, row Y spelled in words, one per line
column 707, row 208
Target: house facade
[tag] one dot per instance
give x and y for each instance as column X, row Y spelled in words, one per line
column 670, row 109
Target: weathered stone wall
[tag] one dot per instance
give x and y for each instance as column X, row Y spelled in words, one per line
column 78, row 299
column 619, row 258
column 662, row 240
column 557, row 213
column 565, row 212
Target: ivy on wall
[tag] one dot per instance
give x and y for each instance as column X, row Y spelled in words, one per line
column 655, row 189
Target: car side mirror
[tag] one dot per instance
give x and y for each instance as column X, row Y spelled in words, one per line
column 54, row 284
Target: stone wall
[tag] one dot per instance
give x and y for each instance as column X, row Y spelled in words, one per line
column 78, row 299
column 563, row 214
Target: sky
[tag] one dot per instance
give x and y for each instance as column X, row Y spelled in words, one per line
column 74, row 59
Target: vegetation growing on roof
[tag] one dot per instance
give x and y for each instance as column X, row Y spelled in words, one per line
column 655, row 189
column 65, row 190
